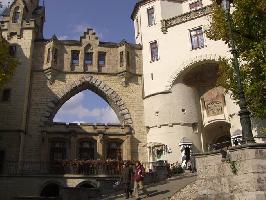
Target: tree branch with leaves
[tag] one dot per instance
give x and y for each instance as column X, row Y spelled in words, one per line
column 249, row 34
column 8, row 63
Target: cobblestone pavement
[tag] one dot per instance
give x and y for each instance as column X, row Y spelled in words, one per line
column 162, row 190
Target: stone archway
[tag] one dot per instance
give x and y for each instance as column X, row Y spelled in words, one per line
column 50, row 189
column 190, row 64
column 95, row 85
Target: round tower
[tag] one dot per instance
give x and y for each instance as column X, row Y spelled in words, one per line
column 180, row 68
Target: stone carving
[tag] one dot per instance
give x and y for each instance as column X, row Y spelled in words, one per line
column 185, row 17
column 214, row 108
column 213, row 101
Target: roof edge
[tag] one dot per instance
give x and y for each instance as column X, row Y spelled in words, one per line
column 137, row 5
column 143, row 2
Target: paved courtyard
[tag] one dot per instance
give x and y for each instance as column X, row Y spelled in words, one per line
column 162, row 190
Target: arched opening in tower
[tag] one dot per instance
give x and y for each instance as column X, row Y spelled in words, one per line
column 86, row 107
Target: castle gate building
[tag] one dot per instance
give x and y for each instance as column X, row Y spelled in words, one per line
column 163, row 90
column 184, row 109
column 50, row 72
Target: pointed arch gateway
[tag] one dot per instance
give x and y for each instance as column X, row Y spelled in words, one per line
column 95, row 85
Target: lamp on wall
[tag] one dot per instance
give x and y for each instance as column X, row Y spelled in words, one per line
column 243, row 113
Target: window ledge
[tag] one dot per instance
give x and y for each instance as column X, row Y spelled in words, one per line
column 152, row 61
column 152, row 25
column 198, row 48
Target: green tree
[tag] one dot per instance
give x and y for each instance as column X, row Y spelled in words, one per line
column 249, row 33
column 8, row 62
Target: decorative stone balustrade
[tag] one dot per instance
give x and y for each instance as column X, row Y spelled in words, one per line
column 168, row 23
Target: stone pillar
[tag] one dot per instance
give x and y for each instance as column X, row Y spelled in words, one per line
column 127, row 148
column 73, row 146
column 100, row 147
column 45, row 151
column 22, row 142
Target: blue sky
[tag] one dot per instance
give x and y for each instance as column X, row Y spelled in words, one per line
column 110, row 18
column 68, row 19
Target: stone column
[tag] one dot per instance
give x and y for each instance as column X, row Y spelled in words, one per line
column 45, row 151
column 21, row 149
column 100, row 147
column 73, row 146
column 127, row 148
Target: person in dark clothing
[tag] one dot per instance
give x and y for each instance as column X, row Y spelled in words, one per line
column 126, row 179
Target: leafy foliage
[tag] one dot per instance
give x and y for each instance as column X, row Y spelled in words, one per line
column 233, row 166
column 8, row 63
column 249, row 34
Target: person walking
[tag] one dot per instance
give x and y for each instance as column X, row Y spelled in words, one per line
column 126, row 178
column 138, row 180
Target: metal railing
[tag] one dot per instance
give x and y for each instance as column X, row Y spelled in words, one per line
column 92, row 168
column 219, row 146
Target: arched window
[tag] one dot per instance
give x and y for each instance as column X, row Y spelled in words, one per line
column 48, row 55
column 114, row 151
column 50, row 190
column 85, row 184
column 55, row 55
column 86, row 150
column 16, row 15
column 58, row 151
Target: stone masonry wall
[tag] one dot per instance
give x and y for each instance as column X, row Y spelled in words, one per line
column 31, row 186
column 44, row 94
column 216, row 179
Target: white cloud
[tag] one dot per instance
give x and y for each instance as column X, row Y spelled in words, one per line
column 109, row 116
column 103, row 115
column 74, row 101
column 79, row 29
column 63, row 37
column 5, row 2
column 78, row 122
column 74, row 109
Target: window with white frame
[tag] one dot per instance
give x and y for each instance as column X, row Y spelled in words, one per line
column 121, row 58
column 197, row 38
column 154, row 51
column 128, row 59
column 48, row 55
column 16, row 15
column 137, row 26
column 195, row 5
column 55, row 55
column 151, row 16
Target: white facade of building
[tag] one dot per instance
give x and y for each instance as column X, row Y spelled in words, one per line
column 183, row 107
